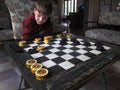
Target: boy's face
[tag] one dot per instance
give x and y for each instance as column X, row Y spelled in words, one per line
column 40, row 18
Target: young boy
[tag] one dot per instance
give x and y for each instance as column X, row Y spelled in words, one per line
column 38, row 24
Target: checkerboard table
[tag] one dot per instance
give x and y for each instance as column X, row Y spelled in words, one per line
column 71, row 63
column 56, row 57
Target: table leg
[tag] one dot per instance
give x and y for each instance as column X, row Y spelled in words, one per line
column 21, row 80
column 20, row 83
column 105, row 82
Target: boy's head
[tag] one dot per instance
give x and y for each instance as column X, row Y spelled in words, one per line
column 42, row 10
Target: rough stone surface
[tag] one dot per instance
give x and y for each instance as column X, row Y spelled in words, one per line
column 104, row 35
column 5, row 21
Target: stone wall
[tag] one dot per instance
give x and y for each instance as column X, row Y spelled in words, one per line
column 6, row 32
column 109, row 18
column 5, row 22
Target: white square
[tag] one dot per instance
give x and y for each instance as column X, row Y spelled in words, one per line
column 58, row 39
column 67, row 57
column 66, row 65
column 79, row 39
column 68, row 46
column 36, row 55
column 48, row 64
column 45, row 45
column 69, row 39
column 54, row 50
column 92, row 47
column 57, row 42
column 106, row 47
column 56, row 45
column 83, row 57
column 92, row 43
column 51, row 56
column 67, row 50
column 27, row 49
column 96, row 52
column 69, row 42
column 80, row 46
column 34, row 44
column 81, row 42
column 81, row 51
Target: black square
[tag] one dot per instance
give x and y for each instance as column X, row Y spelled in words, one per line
column 25, row 46
column 75, row 61
column 58, row 60
column 89, row 54
column 46, row 52
column 75, row 54
column 60, row 53
column 61, row 48
column 74, row 48
column 35, row 47
column 42, row 59
column 49, row 47
column 88, row 49
column 32, row 51
column 55, row 69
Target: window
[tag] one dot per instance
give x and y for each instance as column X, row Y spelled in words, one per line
column 118, row 5
column 70, row 6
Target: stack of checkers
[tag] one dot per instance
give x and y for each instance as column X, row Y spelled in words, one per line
column 37, row 69
column 64, row 53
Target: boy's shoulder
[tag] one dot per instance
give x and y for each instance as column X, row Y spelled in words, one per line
column 29, row 17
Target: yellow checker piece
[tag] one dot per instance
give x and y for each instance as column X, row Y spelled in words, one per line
column 41, row 74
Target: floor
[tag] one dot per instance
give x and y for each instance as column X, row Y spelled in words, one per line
column 10, row 75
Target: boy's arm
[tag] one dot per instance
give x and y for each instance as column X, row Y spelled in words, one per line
column 26, row 31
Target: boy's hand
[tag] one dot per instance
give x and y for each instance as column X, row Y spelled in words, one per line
column 41, row 34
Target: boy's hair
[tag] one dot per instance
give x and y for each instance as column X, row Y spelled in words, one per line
column 44, row 7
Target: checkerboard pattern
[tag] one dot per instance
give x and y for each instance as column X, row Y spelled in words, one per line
column 58, row 57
